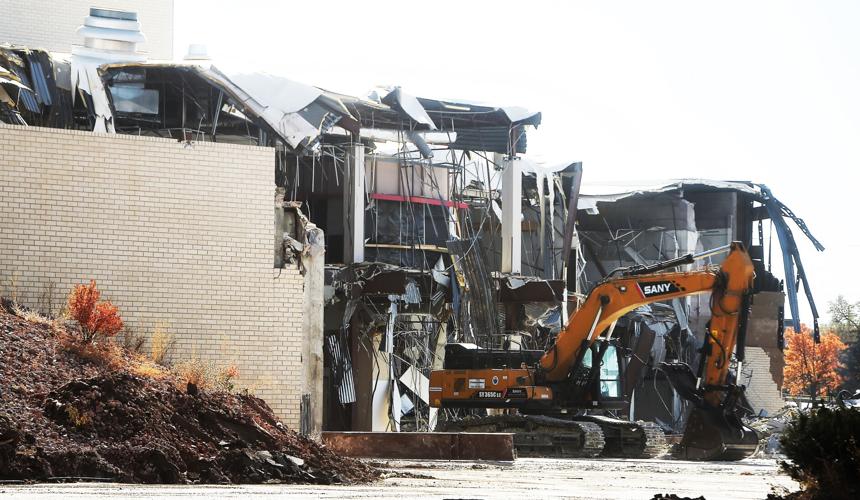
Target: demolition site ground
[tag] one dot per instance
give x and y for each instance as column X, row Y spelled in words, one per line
column 524, row 478
column 68, row 417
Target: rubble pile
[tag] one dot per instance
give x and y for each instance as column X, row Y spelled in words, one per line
column 769, row 430
column 65, row 417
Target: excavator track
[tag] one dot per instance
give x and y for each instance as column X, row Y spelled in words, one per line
column 583, row 436
column 625, row 439
column 537, row 435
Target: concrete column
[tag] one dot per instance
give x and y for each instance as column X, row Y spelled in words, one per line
column 512, row 189
column 313, row 261
column 353, row 204
column 372, row 385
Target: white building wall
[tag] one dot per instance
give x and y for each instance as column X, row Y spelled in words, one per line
column 51, row 24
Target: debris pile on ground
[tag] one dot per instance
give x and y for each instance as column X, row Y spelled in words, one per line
column 65, row 416
column 769, row 430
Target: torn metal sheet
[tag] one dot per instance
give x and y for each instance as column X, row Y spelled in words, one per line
column 370, row 278
column 9, row 78
column 410, row 107
column 406, row 405
column 439, row 274
column 284, row 105
column 479, row 113
column 530, row 289
column 544, row 314
column 775, row 210
column 413, row 293
column 416, row 382
column 341, row 367
column 298, row 114
column 40, row 83
column 593, row 193
column 283, row 94
column 85, row 78
column 17, row 76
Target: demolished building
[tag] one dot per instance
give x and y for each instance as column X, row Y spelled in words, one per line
column 416, row 222
column 648, row 224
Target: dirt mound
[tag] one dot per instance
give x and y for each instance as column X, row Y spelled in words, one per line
column 64, row 416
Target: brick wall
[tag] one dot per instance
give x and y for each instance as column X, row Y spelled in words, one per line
column 764, row 360
column 174, row 235
column 764, row 366
column 51, row 24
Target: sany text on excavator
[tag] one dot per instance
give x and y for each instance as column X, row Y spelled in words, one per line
column 554, row 389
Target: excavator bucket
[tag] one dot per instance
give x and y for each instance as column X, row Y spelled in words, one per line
column 711, row 434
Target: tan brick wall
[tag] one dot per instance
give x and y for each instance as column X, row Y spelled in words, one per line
column 763, row 391
column 173, row 234
column 51, row 24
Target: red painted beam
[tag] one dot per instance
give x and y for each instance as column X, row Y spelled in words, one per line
column 418, row 199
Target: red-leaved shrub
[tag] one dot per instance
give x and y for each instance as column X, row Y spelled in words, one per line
column 95, row 317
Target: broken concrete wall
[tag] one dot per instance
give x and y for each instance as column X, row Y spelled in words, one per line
column 763, row 369
column 176, row 235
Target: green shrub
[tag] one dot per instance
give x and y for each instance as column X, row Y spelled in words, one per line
column 823, row 447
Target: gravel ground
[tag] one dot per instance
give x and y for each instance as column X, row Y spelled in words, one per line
column 525, row 478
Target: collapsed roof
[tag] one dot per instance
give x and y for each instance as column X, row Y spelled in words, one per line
column 593, row 195
column 160, row 98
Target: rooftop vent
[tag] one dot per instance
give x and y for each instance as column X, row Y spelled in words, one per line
column 197, row 52
column 110, row 35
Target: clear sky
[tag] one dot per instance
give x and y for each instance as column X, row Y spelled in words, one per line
column 767, row 91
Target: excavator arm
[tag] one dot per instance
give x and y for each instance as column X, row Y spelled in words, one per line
column 615, row 297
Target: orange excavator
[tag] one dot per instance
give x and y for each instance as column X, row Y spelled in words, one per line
column 560, row 393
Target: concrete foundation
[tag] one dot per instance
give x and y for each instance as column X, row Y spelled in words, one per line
column 422, row 445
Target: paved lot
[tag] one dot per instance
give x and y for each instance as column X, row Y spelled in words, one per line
column 525, row 478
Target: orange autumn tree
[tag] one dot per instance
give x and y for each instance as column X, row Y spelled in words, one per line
column 811, row 368
column 95, row 317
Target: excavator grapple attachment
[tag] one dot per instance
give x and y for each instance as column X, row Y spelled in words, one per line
column 711, row 434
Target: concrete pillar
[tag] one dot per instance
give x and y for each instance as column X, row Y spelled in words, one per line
column 372, row 384
column 512, row 189
column 353, row 204
column 313, row 261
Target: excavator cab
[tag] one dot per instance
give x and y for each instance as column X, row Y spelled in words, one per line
column 597, row 379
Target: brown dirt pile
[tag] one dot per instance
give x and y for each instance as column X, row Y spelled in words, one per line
column 63, row 415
